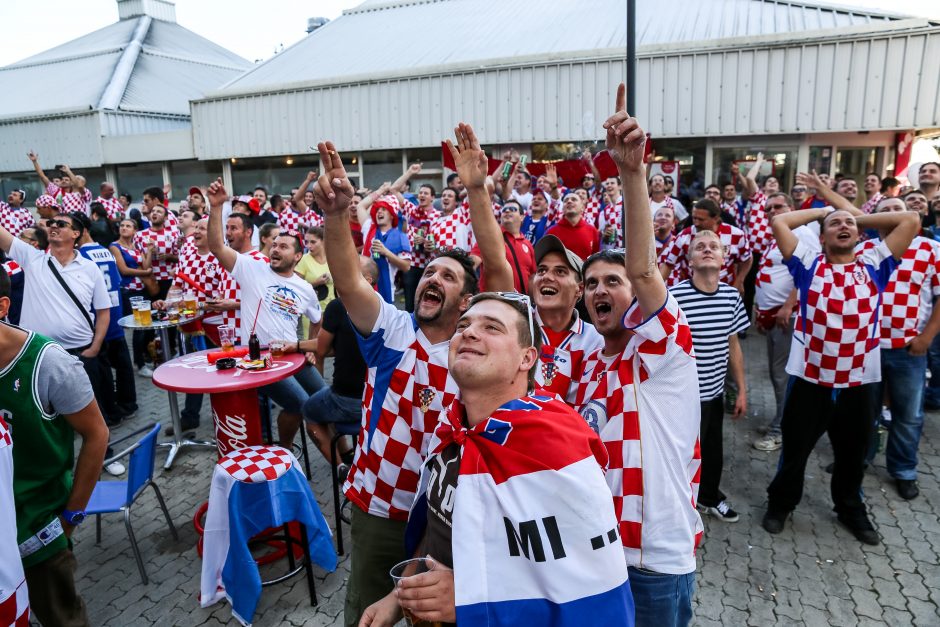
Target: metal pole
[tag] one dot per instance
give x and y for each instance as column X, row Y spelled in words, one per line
column 631, row 57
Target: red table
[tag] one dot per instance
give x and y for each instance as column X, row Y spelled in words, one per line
column 233, row 393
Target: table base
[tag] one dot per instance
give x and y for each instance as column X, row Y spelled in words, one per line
column 176, row 446
column 237, row 419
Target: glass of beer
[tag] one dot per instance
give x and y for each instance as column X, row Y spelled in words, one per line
column 410, row 568
column 227, row 337
column 143, row 310
column 134, row 301
column 190, row 304
column 173, row 311
column 276, row 348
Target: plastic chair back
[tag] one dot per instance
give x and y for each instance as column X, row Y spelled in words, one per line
column 141, row 464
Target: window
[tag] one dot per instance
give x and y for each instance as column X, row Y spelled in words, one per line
column 186, row 174
column 381, row 166
column 134, row 179
column 279, row 175
column 783, row 158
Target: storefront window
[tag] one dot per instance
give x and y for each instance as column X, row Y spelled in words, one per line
column 279, row 175
column 381, row 166
column 783, row 159
column 134, row 179
column 691, row 157
column 855, row 163
column 186, row 174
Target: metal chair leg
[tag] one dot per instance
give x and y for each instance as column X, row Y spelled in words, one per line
column 166, row 513
column 334, row 453
column 308, row 565
column 134, row 547
column 303, row 444
column 97, row 528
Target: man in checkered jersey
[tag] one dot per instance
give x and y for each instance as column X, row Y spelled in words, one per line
column 408, row 383
column 640, row 392
column 14, row 217
column 674, row 261
column 909, row 322
column 238, row 231
column 834, row 355
column 69, row 190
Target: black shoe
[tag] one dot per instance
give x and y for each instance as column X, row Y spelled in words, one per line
column 907, row 488
column 186, row 427
column 773, row 523
column 342, row 471
column 862, row 529
column 113, row 420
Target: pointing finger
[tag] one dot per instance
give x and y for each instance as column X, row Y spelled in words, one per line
column 621, row 98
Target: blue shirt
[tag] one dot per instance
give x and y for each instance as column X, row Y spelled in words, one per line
column 396, row 242
column 103, row 258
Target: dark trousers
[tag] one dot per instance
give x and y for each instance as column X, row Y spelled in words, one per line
column 410, row 286
column 138, row 346
column 192, row 406
column 713, row 452
column 114, row 354
column 847, row 414
column 148, row 336
column 53, row 598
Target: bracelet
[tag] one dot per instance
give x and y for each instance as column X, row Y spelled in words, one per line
column 298, row 346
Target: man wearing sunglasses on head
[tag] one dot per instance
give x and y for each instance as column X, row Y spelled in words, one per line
column 640, row 392
column 408, row 384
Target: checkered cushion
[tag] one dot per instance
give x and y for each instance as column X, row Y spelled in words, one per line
column 256, row 464
column 732, row 239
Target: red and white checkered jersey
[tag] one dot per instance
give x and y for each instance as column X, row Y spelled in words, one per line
column 112, row 206
column 555, row 211
column 561, row 365
column 732, row 239
column 172, row 221
column 645, row 404
column 592, row 209
column 452, row 231
column 229, row 290
column 15, row 219
column 677, row 207
column 167, row 242
column 75, row 201
column 204, row 270
column 835, row 340
column 310, row 219
column 14, row 598
column 759, row 235
column 613, row 215
column 907, row 302
column 407, row 388
column 419, row 219
column 188, row 246
column 872, row 203
column 774, row 282
column 662, row 245
column 134, row 283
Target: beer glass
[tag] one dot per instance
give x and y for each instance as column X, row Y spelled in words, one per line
column 276, row 348
column 190, row 304
column 413, row 567
column 227, row 337
column 144, row 312
column 134, row 301
column 173, row 311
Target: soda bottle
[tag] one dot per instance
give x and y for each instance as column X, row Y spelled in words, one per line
column 254, row 347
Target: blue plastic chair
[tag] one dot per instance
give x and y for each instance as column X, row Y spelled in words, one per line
column 118, row 496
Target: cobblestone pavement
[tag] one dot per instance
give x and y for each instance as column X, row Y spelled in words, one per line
column 814, row 573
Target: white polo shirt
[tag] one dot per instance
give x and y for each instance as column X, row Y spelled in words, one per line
column 47, row 309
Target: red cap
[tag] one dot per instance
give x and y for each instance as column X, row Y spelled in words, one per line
column 254, row 205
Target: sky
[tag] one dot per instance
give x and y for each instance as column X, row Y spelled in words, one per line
column 253, row 29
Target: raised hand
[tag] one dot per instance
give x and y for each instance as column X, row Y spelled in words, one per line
column 32, row 156
column 414, row 168
column 810, row 180
column 216, row 193
column 333, row 191
column 551, row 175
column 469, row 158
column 625, row 138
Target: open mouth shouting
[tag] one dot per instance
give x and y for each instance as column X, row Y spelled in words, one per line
column 432, row 296
column 602, row 311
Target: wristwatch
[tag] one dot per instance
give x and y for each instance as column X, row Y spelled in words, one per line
column 73, row 518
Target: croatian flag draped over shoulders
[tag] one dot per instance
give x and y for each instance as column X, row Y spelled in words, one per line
column 535, row 539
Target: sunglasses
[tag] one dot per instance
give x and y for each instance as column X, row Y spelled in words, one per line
column 61, row 224
column 511, row 208
column 797, row 190
column 516, row 297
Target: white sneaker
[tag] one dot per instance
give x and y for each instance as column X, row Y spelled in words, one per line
column 145, row 371
column 770, row 442
column 115, row 469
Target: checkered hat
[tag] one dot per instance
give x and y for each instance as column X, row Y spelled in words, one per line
column 45, row 201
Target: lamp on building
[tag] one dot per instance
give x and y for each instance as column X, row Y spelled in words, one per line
column 289, row 161
column 234, row 160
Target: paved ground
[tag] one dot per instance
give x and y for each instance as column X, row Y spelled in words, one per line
column 814, row 573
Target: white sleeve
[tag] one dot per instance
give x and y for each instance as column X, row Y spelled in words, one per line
column 24, row 254
column 313, row 312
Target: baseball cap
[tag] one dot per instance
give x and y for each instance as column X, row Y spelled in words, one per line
column 194, row 190
column 551, row 244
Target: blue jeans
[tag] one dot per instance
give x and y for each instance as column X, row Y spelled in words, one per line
column 328, row 407
column 903, row 375
column 662, row 600
column 292, row 392
column 932, row 396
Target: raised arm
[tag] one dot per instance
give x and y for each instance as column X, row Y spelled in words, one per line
column 749, row 182
column 826, row 193
column 298, row 198
column 217, row 197
column 333, row 193
column 589, row 162
column 365, row 205
column 472, row 165
column 6, row 240
column 783, row 224
column 402, row 181
column 78, row 182
column 39, row 171
column 625, row 142
column 901, row 226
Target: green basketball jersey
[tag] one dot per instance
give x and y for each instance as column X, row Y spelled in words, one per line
column 43, row 449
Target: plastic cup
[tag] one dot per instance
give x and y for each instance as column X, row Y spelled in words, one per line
column 190, row 304
column 227, row 337
column 414, row 566
column 134, row 300
column 173, row 311
column 276, row 348
column 146, row 319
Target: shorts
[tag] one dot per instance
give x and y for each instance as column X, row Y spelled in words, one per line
column 328, row 407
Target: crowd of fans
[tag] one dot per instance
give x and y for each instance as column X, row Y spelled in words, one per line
column 608, row 304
